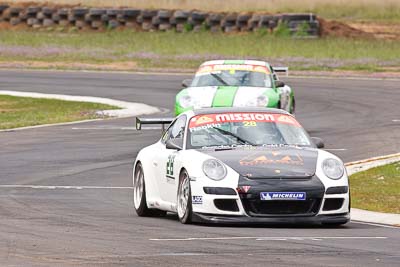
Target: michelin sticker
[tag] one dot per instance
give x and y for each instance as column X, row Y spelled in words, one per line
column 283, row 196
column 197, row 199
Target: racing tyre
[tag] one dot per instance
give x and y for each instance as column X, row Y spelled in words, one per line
column 139, row 195
column 184, row 201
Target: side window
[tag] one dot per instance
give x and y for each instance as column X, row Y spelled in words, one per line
column 176, row 130
column 167, row 133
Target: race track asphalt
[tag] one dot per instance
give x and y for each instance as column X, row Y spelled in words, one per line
column 92, row 223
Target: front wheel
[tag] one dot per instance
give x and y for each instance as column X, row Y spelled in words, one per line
column 184, row 200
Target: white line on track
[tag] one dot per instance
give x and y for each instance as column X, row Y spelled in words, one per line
column 335, row 149
column 63, row 187
column 272, row 238
column 396, row 120
column 318, row 238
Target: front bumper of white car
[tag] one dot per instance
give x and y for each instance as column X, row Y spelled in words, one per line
column 244, row 204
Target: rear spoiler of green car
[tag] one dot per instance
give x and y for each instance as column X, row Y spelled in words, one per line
column 153, row 121
column 281, row 70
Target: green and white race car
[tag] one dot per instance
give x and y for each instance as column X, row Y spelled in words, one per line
column 235, row 83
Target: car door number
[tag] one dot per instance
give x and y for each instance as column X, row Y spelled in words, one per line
column 170, row 166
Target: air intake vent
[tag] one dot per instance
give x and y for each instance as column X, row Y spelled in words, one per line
column 226, row 204
column 333, row 204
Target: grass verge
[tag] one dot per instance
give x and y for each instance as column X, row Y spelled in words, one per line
column 187, row 50
column 24, row 111
column 377, row 189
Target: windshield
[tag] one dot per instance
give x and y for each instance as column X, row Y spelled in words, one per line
column 253, row 129
column 232, row 75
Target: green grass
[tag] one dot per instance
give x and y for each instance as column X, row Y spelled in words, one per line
column 24, row 111
column 377, row 189
column 188, row 50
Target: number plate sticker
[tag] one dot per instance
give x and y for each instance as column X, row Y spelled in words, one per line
column 283, row 196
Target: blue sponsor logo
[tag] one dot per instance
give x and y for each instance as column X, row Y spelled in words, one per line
column 197, row 199
column 283, row 196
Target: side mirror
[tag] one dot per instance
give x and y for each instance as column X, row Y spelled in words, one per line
column 319, row 143
column 279, row 84
column 186, row 83
column 174, row 143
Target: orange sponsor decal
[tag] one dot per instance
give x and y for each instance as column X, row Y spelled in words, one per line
column 211, row 68
column 271, row 158
column 204, row 120
column 287, row 119
column 261, row 69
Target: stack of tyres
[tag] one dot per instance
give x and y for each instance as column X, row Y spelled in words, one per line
column 2, row 9
column 242, row 22
column 45, row 16
column 179, row 19
column 228, row 23
column 12, row 15
column 214, row 22
column 197, row 20
column 296, row 21
column 77, row 17
column 112, row 18
column 299, row 25
column 268, row 22
column 94, row 18
column 130, row 16
column 161, row 21
column 62, row 17
column 145, row 19
column 30, row 15
column 254, row 22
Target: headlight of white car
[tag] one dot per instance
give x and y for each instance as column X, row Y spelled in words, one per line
column 251, row 101
column 186, row 101
column 214, row 169
column 262, row 101
column 333, row 168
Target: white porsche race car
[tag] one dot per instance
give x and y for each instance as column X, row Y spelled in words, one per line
column 240, row 165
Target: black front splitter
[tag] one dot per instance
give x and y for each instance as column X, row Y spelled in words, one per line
column 336, row 219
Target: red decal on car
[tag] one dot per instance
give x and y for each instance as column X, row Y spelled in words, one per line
column 242, row 117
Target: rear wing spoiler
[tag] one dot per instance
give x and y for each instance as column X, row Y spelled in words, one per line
column 153, row 121
column 281, row 70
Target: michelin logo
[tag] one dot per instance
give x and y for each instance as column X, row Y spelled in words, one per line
column 283, row 196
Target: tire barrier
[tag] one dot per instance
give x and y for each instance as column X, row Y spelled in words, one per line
column 197, row 20
column 179, row 19
column 84, row 18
